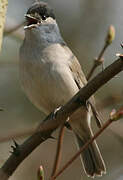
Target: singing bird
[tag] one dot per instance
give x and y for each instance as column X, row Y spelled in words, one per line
column 51, row 75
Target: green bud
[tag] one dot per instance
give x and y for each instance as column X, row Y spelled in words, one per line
column 110, row 35
column 40, row 174
column 116, row 115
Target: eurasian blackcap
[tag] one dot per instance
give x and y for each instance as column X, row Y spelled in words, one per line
column 51, row 75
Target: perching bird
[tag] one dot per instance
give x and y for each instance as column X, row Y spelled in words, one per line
column 51, row 75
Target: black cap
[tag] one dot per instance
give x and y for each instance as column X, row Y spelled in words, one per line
column 41, row 8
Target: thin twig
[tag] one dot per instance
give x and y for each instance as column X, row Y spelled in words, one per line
column 116, row 116
column 58, row 151
column 12, row 29
column 102, row 52
column 83, row 148
column 99, row 61
column 46, row 128
column 19, row 35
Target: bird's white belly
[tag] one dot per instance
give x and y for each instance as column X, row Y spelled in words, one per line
column 48, row 88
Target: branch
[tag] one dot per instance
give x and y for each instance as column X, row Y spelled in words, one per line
column 10, row 30
column 19, row 35
column 3, row 8
column 46, row 128
column 114, row 116
column 58, row 151
column 99, row 61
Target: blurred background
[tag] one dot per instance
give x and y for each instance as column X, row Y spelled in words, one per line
column 83, row 24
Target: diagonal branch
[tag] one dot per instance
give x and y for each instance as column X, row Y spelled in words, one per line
column 116, row 116
column 46, row 128
column 58, row 151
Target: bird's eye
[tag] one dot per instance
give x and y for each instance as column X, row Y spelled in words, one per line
column 43, row 17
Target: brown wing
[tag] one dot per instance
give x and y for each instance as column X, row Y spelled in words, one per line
column 76, row 69
column 81, row 81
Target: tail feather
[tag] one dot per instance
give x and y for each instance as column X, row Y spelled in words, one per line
column 92, row 159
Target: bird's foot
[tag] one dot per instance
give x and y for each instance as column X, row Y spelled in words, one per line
column 54, row 114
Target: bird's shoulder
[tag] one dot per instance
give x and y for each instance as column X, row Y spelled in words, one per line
column 81, row 81
column 75, row 67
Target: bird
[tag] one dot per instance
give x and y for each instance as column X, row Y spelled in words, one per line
column 51, row 75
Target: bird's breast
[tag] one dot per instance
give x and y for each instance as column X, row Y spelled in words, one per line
column 48, row 83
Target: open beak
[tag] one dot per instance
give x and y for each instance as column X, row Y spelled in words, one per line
column 32, row 22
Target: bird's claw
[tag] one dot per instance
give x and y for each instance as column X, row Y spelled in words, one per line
column 54, row 114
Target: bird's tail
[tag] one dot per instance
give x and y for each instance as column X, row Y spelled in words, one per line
column 91, row 157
